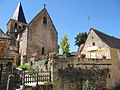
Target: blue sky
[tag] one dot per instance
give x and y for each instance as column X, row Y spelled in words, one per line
column 69, row 16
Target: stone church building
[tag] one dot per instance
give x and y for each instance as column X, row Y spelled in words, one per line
column 38, row 36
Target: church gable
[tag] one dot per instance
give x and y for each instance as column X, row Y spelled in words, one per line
column 44, row 18
column 42, row 34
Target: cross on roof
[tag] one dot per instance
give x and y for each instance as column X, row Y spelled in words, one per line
column 44, row 5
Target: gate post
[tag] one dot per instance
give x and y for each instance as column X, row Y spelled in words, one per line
column 37, row 77
column 23, row 78
column 50, row 76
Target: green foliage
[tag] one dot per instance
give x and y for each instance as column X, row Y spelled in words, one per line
column 24, row 67
column 31, row 69
column 80, row 39
column 64, row 44
column 87, row 86
column 53, row 54
column 14, row 66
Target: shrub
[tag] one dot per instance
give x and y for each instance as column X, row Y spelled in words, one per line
column 53, row 54
column 24, row 67
column 14, row 66
column 87, row 86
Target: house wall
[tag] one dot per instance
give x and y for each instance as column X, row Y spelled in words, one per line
column 4, row 47
column 41, row 35
column 115, row 69
column 102, row 48
column 22, row 38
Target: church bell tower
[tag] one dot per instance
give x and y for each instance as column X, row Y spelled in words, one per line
column 16, row 24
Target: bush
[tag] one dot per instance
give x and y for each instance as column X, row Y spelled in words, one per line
column 24, row 67
column 14, row 66
column 53, row 54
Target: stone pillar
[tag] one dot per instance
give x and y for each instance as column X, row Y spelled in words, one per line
column 10, row 83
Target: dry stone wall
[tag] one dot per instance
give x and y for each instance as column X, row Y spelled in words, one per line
column 71, row 73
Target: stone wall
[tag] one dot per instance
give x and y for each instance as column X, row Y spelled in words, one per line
column 6, row 67
column 71, row 73
column 40, row 87
column 4, row 47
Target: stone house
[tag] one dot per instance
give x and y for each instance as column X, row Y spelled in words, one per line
column 98, row 45
column 38, row 36
column 5, row 60
column 4, row 44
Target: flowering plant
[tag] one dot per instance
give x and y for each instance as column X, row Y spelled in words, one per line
column 104, row 57
column 34, row 54
column 82, row 55
column 53, row 54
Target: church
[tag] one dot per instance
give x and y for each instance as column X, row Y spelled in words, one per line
column 38, row 36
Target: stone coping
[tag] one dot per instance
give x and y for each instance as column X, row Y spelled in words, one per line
column 6, row 58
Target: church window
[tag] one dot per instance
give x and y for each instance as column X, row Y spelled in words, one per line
column 15, row 30
column 43, row 50
column 23, row 26
column 15, row 25
column 44, row 20
column 93, row 43
column 20, row 26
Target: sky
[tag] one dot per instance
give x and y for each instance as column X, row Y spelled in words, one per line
column 69, row 16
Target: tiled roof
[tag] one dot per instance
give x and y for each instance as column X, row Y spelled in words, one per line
column 3, row 35
column 19, row 14
column 109, row 40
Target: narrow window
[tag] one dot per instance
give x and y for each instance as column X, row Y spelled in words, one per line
column 15, row 25
column 15, row 30
column 23, row 26
column 20, row 26
column 44, row 20
column 43, row 50
column 93, row 43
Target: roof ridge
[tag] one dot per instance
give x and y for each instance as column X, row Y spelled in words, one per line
column 105, row 34
column 109, row 40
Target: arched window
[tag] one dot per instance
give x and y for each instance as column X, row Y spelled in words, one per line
column 44, row 20
column 43, row 50
column 20, row 26
column 15, row 30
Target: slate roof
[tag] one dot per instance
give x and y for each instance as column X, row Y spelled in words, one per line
column 3, row 35
column 109, row 40
column 19, row 14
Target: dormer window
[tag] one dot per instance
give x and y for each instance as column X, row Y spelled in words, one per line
column 44, row 20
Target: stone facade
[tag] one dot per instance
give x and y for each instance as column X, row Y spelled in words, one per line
column 94, row 45
column 4, row 47
column 42, row 36
column 39, row 36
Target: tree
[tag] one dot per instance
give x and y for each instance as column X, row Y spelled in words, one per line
column 80, row 39
column 64, row 44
